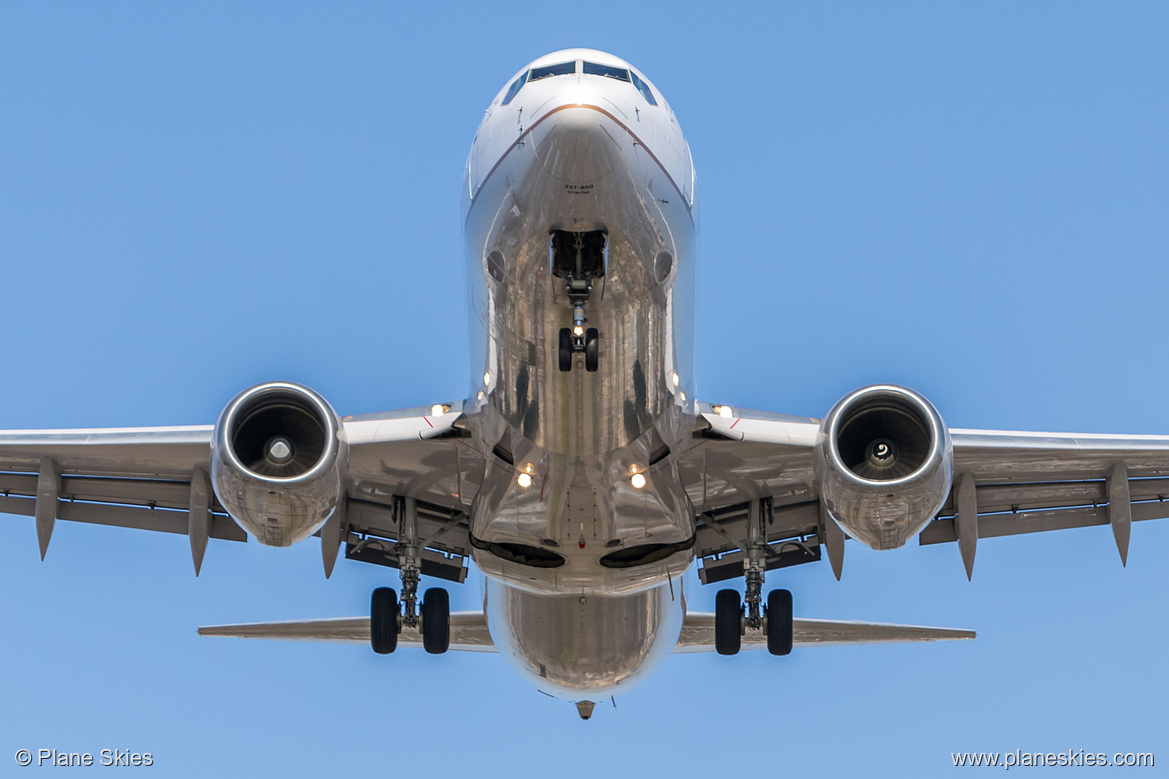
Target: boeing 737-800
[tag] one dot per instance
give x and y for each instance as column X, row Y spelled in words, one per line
column 582, row 474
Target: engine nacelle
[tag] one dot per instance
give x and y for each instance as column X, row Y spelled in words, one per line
column 278, row 461
column 884, row 464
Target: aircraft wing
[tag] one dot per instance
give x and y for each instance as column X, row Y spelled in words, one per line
column 157, row 479
column 1005, row 483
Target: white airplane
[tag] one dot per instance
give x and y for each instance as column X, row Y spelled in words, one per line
column 582, row 475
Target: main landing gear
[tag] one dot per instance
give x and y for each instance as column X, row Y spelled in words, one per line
column 387, row 617
column 732, row 621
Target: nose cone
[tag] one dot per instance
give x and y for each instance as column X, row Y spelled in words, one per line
column 576, row 145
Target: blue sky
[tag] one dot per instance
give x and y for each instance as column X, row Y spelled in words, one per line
column 969, row 199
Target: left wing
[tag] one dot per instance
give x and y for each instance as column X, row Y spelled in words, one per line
column 1005, row 483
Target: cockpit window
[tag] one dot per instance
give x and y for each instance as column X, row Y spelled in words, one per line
column 643, row 88
column 515, row 87
column 593, row 69
column 563, row 69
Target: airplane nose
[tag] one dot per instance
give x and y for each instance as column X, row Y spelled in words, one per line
column 576, row 146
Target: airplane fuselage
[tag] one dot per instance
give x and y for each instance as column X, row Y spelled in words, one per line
column 580, row 222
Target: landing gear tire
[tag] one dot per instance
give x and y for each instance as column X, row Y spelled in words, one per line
column 591, row 355
column 779, row 622
column 728, row 622
column 565, row 350
column 383, row 620
column 436, row 621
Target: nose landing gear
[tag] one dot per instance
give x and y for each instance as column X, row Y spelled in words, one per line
column 570, row 345
column 579, row 259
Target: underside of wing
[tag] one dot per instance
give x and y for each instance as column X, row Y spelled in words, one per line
column 742, row 461
column 415, row 462
column 786, row 477
column 1010, row 483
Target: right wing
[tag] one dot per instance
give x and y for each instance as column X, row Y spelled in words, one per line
column 157, row 479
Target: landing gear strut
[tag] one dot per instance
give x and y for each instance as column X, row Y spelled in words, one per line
column 579, row 258
column 732, row 621
column 387, row 618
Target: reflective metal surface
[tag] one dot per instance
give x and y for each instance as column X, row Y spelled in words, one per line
column 575, row 486
column 582, row 154
column 279, row 503
column 883, row 512
column 584, row 646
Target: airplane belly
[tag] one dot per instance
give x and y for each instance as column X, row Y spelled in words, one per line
column 558, row 510
column 584, row 647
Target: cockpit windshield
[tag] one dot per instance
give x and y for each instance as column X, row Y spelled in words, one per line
column 593, row 69
column 562, row 69
column 515, row 87
column 643, row 88
column 588, row 68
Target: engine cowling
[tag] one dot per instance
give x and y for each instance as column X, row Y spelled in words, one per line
column 278, row 461
column 884, row 464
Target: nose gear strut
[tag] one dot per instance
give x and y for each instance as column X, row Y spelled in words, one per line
column 579, row 259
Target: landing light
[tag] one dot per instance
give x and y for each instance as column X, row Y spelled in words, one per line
column 438, row 409
column 726, row 412
column 578, row 331
column 524, row 480
column 676, row 380
column 638, row 481
column 487, row 378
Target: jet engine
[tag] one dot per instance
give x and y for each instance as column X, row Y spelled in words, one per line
column 278, row 461
column 884, row 464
